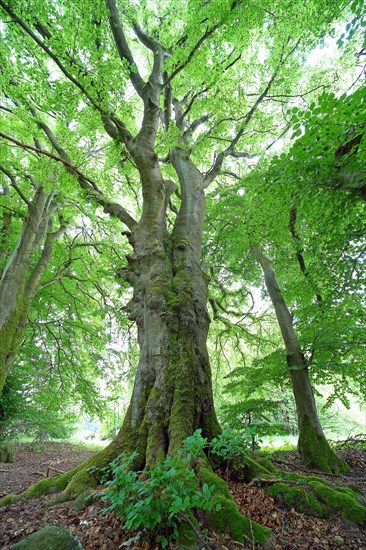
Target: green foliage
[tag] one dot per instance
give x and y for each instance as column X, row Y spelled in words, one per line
column 160, row 499
column 250, row 404
column 41, row 412
column 231, row 447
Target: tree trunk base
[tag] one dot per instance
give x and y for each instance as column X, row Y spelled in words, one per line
column 80, row 481
column 316, row 452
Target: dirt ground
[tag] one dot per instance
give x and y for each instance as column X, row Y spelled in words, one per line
column 291, row 530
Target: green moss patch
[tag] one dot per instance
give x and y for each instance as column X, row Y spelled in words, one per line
column 298, row 497
column 315, row 450
column 266, row 463
column 7, row 452
column 345, row 502
column 50, row 538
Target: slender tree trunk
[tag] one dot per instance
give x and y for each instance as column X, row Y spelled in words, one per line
column 20, row 280
column 312, row 444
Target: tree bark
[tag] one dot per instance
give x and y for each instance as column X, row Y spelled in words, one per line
column 313, row 447
column 172, row 395
column 20, row 280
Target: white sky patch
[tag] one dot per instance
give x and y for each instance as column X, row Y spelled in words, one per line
column 324, row 54
column 278, row 145
column 262, row 54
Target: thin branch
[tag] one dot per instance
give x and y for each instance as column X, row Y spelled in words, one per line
column 191, row 54
column 50, row 155
column 15, row 186
column 299, row 249
column 108, row 120
column 214, row 171
column 188, row 133
column 49, row 52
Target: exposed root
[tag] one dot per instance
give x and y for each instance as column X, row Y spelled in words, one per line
column 228, row 518
column 311, row 495
column 72, row 483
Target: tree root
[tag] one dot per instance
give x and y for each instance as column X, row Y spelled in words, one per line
column 77, row 485
column 228, row 518
column 72, row 483
column 311, row 495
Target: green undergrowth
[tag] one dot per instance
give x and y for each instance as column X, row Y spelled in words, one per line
column 168, row 500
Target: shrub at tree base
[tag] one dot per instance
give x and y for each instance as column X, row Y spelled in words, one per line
column 49, row 538
column 162, row 500
column 7, row 452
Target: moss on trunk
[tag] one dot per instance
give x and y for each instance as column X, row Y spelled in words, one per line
column 7, row 452
column 11, row 334
column 316, row 452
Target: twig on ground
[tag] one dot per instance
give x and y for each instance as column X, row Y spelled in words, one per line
column 55, row 470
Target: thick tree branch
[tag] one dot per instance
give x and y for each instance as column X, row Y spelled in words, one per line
column 50, row 155
column 123, row 49
column 167, row 111
column 34, row 280
column 85, row 182
column 155, row 47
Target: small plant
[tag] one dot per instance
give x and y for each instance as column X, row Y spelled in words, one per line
column 163, row 497
column 231, row 447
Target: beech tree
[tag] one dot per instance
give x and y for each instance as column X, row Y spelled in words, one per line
column 317, row 245
column 21, row 274
column 312, row 444
column 177, row 92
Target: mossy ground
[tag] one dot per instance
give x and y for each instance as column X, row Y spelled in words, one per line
column 311, row 495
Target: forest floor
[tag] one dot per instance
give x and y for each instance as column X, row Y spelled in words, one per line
column 291, row 530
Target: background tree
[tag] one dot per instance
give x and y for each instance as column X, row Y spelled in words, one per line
column 321, row 265
column 23, row 269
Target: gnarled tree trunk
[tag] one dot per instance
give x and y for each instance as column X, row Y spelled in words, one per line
column 172, row 395
column 312, row 444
